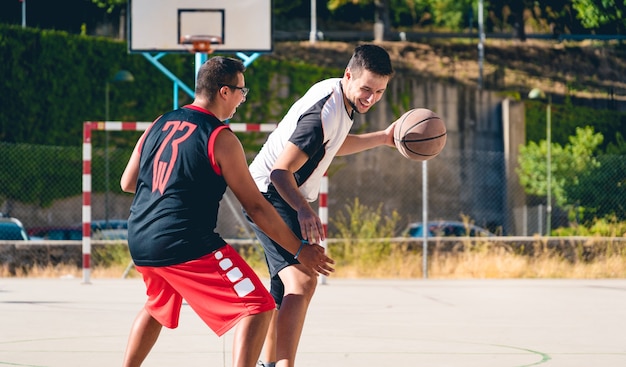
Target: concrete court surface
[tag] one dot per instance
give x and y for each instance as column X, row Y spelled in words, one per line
column 364, row 323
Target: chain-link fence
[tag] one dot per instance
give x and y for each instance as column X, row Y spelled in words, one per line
column 470, row 184
column 475, row 179
column 462, row 186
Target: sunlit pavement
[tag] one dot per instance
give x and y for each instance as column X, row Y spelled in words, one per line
column 482, row 323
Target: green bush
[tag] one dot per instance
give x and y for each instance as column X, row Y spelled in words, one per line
column 355, row 227
column 110, row 255
column 605, row 227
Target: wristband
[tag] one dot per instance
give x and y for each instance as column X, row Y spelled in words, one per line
column 300, row 249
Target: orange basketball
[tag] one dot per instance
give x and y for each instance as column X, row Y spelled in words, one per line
column 420, row 134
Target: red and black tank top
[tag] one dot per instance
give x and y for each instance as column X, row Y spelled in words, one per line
column 174, row 213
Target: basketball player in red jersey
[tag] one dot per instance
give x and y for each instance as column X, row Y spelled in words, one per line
column 179, row 171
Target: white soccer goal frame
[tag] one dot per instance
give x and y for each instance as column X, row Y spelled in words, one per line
column 89, row 126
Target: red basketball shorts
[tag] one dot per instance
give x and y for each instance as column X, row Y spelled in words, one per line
column 220, row 287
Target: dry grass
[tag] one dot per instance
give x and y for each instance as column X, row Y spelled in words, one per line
column 483, row 266
column 516, row 266
column 478, row 261
column 483, row 260
column 68, row 271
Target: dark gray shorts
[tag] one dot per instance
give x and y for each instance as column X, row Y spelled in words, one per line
column 276, row 256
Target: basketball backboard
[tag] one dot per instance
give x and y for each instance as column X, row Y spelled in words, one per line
column 159, row 25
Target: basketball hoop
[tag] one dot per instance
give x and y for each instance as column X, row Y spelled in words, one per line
column 200, row 43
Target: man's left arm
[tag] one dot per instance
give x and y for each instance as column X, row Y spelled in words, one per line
column 355, row 143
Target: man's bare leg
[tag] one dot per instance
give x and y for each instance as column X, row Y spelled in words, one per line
column 143, row 334
column 269, row 347
column 248, row 339
column 300, row 284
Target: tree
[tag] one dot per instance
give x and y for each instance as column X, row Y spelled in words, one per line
column 594, row 14
column 115, row 5
column 532, row 168
column 110, row 5
column 448, row 14
column 618, row 147
column 569, row 163
column 553, row 16
column 381, row 14
column 601, row 191
column 516, row 17
column 282, row 8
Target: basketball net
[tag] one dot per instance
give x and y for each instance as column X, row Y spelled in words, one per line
column 200, row 43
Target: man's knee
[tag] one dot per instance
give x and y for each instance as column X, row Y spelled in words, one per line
column 297, row 281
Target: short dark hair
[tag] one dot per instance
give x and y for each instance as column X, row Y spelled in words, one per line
column 215, row 72
column 372, row 58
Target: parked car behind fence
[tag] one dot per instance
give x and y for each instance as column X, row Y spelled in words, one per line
column 112, row 229
column 11, row 229
column 447, row 229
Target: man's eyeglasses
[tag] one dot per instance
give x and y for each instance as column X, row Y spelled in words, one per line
column 243, row 90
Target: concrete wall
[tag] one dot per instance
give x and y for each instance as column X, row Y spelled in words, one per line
column 474, row 176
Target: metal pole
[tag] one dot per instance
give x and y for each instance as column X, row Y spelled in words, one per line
column 106, row 156
column 175, row 96
column 23, row 13
column 525, row 220
column 313, row 22
column 86, row 244
column 540, row 218
column 481, row 46
column 201, row 57
column 549, row 166
column 425, row 219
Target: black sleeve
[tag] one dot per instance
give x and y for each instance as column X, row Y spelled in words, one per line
column 309, row 134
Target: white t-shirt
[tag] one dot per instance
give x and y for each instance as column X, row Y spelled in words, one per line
column 318, row 124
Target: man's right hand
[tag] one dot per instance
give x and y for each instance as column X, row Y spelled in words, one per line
column 310, row 225
column 313, row 256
